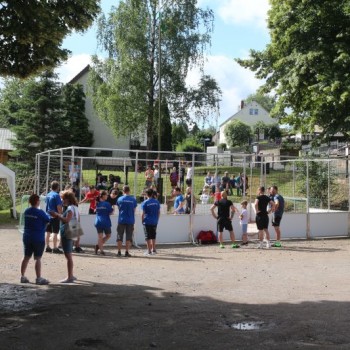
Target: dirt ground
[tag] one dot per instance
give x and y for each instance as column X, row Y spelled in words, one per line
column 186, row 297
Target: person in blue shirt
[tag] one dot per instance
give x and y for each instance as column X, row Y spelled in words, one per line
column 103, row 222
column 126, row 220
column 179, row 202
column 277, row 214
column 53, row 204
column 35, row 222
column 150, row 216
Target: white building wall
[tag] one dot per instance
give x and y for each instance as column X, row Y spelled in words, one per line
column 103, row 135
column 250, row 114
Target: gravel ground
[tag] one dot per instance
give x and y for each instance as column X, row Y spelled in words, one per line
column 185, row 297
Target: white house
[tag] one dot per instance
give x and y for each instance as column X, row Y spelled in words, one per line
column 250, row 114
column 102, row 134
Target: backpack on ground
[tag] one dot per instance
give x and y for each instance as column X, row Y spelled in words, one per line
column 206, row 237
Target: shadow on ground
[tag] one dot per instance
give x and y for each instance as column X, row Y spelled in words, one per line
column 103, row 316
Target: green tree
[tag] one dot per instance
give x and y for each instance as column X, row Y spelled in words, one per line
column 125, row 87
column 179, row 132
column 266, row 101
column 44, row 115
column 238, row 133
column 189, row 145
column 274, row 132
column 307, row 64
column 166, row 137
column 260, row 128
column 32, row 32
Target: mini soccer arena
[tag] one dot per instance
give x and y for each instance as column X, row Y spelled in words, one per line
column 316, row 191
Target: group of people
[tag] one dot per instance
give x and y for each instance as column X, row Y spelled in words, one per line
column 264, row 204
column 62, row 207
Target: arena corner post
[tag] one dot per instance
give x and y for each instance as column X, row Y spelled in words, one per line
column 308, row 236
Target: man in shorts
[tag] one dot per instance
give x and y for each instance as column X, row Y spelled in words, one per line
column 277, row 214
column 262, row 217
column 150, row 217
column 224, row 217
column 53, row 204
column 126, row 220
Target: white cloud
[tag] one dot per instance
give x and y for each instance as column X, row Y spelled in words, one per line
column 235, row 82
column 248, row 12
column 72, row 67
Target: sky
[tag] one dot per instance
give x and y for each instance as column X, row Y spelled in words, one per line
column 240, row 25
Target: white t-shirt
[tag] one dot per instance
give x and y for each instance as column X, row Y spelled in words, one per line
column 204, row 198
column 244, row 215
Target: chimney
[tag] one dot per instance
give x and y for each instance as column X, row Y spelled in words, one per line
column 242, row 104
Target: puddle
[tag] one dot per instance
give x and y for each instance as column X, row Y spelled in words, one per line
column 251, row 325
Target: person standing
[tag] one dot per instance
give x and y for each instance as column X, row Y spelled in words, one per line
column 174, row 178
column 150, row 217
column 103, row 222
column 126, row 220
column 243, row 220
column 189, row 174
column 35, row 221
column 71, row 212
column 277, row 214
column 224, row 217
column 179, row 202
column 54, row 204
column 262, row 218
column 91, row 197
column 149, row 175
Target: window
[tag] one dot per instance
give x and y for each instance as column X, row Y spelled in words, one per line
column 251, row 111
column 256, row 111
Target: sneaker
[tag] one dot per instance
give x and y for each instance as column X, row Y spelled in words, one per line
column 78, row 250
column 234, row 246
column 147, row 253
column 102, row 252
column 277, row 245
column 48, row 250
column 244, row 243
column 41, row 281
column 24, row 279
column 119, row 254
column 96, row 249
column 154, row 252
column 260, row 245
column 127, row 255
column 268, row 245
column 68, row 280
column 57, row 251
column 222, row 246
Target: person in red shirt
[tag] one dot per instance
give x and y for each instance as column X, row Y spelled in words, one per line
column 91, row 197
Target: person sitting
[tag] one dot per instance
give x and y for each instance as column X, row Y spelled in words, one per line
column 225, row 182
column 208, row 180
column 205, row 195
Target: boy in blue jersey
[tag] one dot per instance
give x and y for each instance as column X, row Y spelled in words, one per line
column 150, row 216
column 35, row 221
column 103, row 222
column 126, row 220
column 277, row 214
column 53, row 204
column 179, row 202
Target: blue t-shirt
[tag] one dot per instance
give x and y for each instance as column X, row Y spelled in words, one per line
column 103, row 211
column 178, row 200
column 151, row 209
column 126, row 205
column 35, row 222
column 53, row 200
column 280, row 209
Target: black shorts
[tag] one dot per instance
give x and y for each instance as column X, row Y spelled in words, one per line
column 150, row 231
column 276, row 220
column 262, row 222
column 224, row 223
column 92, row 211
column 53, row 226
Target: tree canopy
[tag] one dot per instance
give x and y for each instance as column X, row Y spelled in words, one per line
column 44, row 115
column 143, row 41
column 237, row 133
column 32, row 32
column 307, row 64
column 266, row 101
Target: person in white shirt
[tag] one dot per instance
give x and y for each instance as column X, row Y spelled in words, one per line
column 243, row 220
